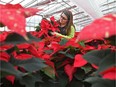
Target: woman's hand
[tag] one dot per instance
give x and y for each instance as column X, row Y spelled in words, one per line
column 54, row 33
column 59, row 35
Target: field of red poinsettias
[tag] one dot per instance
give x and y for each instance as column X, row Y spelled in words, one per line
column 37, row 59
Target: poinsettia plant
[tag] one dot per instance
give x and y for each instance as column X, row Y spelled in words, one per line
column 45, row 28
column 83, row 61
column 13, row 16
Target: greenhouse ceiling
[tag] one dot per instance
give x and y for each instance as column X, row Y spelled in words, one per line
column 84, row 11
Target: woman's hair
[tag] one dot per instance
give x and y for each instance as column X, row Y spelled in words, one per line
column 70, row 20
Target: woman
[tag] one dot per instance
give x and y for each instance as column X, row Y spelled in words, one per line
column 67, row 28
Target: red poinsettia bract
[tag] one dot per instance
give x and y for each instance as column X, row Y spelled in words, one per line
column 55, row 46
column 22, row 56
column 110, row 73
column 13, row 16
column 4, row 56
column 71, row 42
column 23, row 46
column 11, row 78
column 79, row 61
column 47, row 26
column 6, row 47
column 3, row 36
column 69, row 70
column 100, row 28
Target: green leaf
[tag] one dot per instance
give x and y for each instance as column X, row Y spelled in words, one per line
column 48, row 51
column 82, row 43
column 86, row 84
column 75, row 83
column 87, row 68
column 63, row 41
column 99, row 85
column 112, row 40
column 49, row 71
column 49, row 83
column 63, row 80
column 8, row 69
column 9, row 51
column 95, row 56
column 15, row 38
column 92, row 79
column 99, row 82
column 107, row 62
column 30, row 80
column 33, row 64
column 70, row 55
column 80, row 74
column 38, row 28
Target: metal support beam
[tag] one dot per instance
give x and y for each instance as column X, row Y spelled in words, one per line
column 47, row 15
column 109, row 9
column 81, row 17
column 78, row 13
column 108, row 3
column 43, row 3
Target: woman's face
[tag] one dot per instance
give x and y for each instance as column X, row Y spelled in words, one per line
column 63, row 19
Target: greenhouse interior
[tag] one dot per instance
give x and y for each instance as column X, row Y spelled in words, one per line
column 57, row 43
